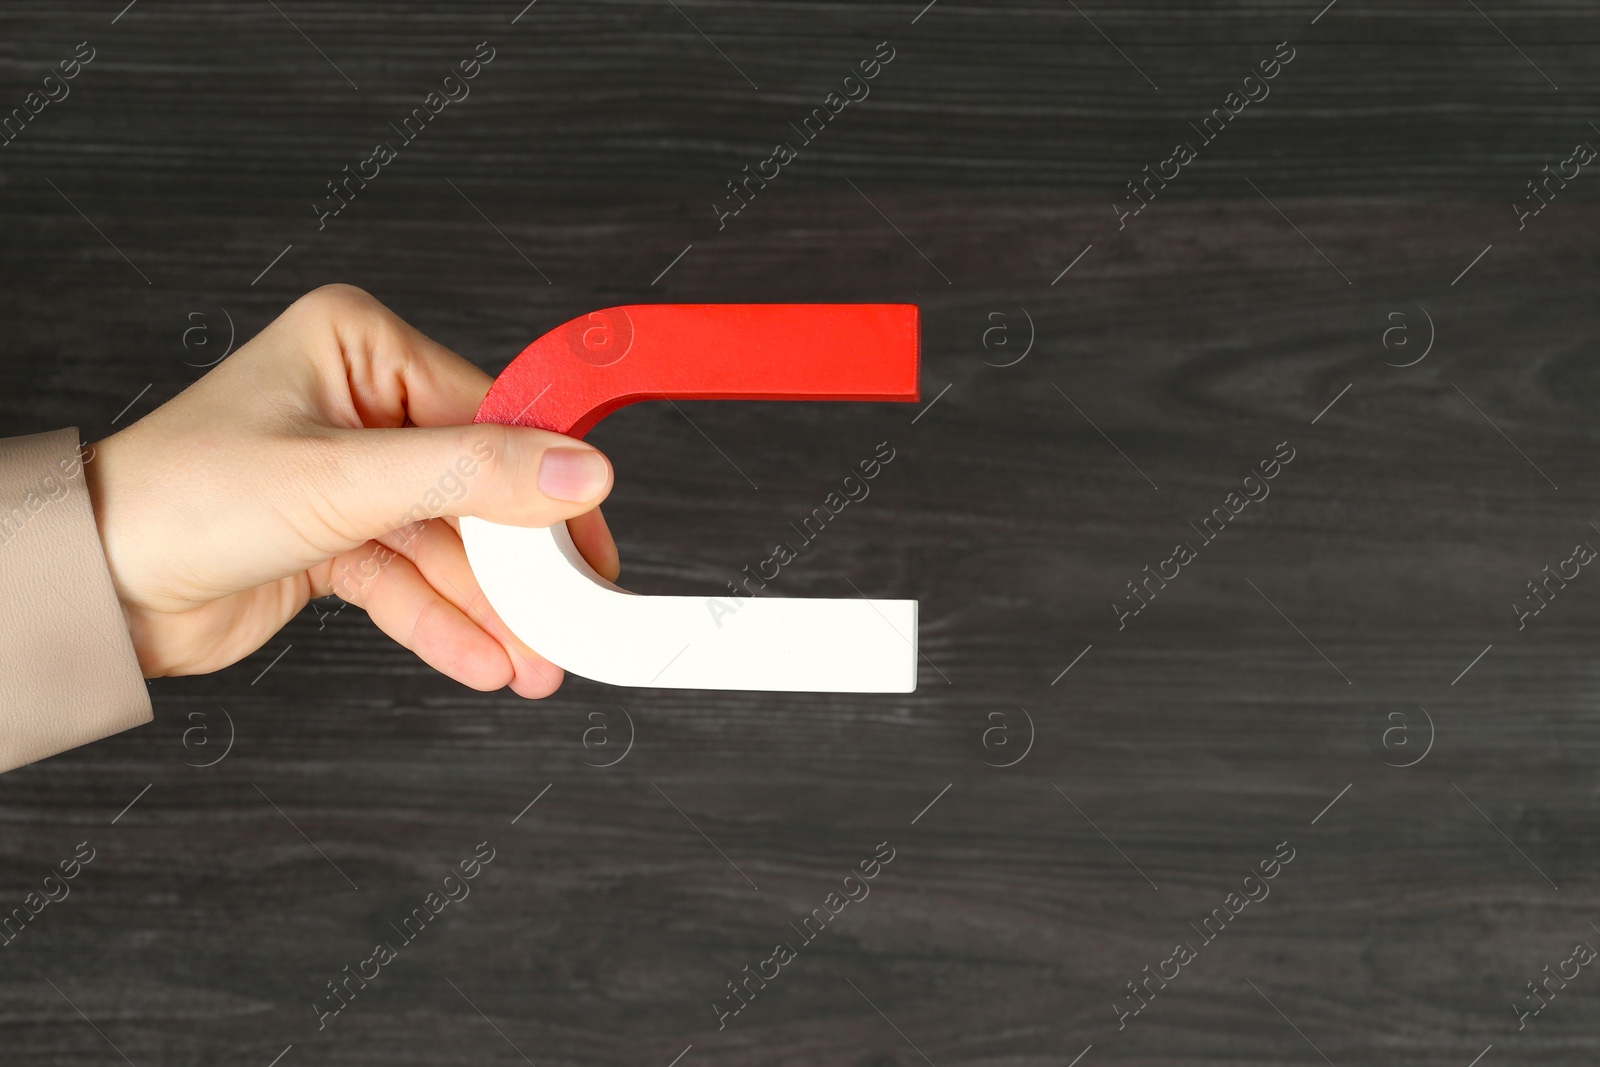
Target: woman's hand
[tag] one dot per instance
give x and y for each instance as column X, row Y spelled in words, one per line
column 331, row 454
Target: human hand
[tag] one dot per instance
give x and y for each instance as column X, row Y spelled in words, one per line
column 330, row 455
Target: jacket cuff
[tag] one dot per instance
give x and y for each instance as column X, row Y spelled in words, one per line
column 68, row 671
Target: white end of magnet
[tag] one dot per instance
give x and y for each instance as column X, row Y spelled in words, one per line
column 558, row 605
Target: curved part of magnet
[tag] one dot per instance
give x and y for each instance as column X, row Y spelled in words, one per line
column 554, row 601
column 570, row 378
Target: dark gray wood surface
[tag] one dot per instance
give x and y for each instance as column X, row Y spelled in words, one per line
column 1321, row 639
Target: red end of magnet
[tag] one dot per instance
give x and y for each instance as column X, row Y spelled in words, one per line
column 580, row 372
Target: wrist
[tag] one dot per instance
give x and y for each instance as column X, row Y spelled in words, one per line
column 99, row 464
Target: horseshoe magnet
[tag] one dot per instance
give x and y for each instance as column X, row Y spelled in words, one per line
column 580, row 372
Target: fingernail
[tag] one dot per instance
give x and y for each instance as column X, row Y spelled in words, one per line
column 572, row 473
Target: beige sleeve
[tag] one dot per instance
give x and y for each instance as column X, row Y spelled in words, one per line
column 68, row 672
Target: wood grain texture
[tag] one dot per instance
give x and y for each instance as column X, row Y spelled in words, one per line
column 1221, row 721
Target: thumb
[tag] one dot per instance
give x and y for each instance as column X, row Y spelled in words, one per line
column 383, row 479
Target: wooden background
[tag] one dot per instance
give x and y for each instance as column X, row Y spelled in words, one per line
column 1197, row 339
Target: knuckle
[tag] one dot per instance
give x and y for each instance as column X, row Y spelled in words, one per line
column 487, row 446
column 335, row 297
column 354, row 575
column 333, row 303
column 420, row 621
